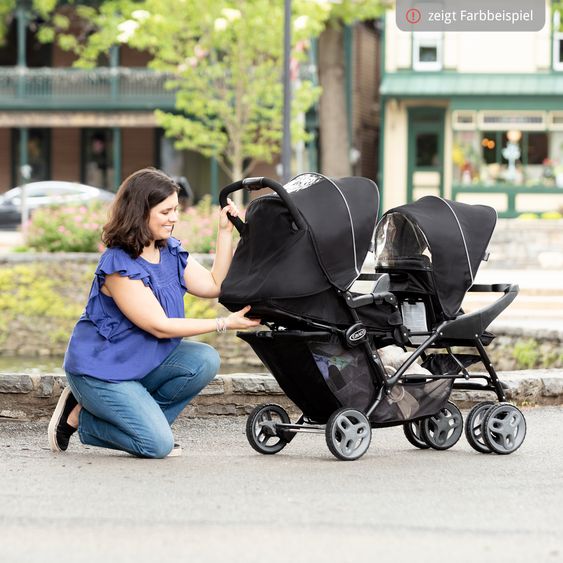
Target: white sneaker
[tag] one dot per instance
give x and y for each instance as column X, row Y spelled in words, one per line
column 176, row 451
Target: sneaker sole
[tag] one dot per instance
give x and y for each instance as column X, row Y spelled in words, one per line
column 55, row 420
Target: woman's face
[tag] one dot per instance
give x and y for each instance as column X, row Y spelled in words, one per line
column 163, row 216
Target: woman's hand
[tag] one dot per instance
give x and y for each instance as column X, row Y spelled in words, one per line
column 238, row 320
column 231, row 209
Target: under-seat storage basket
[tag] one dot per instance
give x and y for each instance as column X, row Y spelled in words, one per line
column 412, row 399
column 315, row 370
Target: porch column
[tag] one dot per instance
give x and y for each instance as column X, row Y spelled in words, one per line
column 116, row 157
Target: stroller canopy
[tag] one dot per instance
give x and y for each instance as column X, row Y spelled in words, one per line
column 275, row 259
column 341, row 215
column 446, row 237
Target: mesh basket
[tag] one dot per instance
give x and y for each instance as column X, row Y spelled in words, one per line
column 412, row 399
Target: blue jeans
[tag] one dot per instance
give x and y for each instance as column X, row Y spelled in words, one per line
column 135, row 416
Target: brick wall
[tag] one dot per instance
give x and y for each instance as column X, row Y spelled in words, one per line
column 138, row 149
column 65, row 154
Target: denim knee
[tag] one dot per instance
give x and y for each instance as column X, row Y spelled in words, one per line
column 211, row 361
column 156, row 444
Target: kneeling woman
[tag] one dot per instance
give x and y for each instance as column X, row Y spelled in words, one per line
column 130, row 373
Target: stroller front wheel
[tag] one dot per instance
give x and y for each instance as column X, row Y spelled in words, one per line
column 261, row 430
column 442, row 430
column 348, row 434
column 413, row 433
column 504, row 428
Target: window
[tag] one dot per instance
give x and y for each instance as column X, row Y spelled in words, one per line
column 97, row 158
column 558, row 51
column 427, row 51
column 512, row 157
column 38, row 157
column 426, row 150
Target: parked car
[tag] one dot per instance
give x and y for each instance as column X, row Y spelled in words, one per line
column 42, row 194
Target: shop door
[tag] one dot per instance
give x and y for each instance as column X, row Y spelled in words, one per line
column 425, row 153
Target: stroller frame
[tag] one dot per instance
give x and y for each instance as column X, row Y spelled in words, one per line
column 261, row 425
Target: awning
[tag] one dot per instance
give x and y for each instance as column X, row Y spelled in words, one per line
column 452, row 84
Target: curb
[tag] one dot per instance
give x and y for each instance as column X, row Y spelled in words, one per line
column 27, row 397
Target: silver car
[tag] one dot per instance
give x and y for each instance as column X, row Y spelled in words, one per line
column 42, row 194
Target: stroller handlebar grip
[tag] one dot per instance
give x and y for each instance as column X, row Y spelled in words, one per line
column 258, row 183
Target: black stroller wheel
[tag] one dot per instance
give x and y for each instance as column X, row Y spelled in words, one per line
column 412, row 432
column 474, row 426
column 504, row 428
column 348, row 434
column 442, row 430
column 261, row 431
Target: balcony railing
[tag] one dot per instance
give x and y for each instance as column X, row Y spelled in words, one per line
column 77, row 89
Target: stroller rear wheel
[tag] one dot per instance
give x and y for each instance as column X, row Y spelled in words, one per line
column 442, row 430
column 413, row 434
column 348, row 434
column 474, row 426
column 261, row 431
column 504, row 428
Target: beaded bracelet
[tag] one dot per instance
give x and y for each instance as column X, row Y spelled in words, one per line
column 221, row 325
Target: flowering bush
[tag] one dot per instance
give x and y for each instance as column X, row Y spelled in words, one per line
column 197, row 227
column 71, row 228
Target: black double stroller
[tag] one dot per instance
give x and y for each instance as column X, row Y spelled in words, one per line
column 301, row 250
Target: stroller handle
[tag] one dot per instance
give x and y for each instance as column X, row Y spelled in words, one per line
column 253, row 184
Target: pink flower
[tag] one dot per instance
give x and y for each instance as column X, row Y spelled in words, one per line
column 61, row 229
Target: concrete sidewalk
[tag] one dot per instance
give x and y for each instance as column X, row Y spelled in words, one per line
column 33, row 397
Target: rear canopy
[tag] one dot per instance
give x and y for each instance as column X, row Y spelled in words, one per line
column 447, row 237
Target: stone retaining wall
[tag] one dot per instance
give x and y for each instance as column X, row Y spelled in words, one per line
column 33, row 397
column 527, row 244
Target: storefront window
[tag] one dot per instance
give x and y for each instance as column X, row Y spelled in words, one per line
column 37, row 154
column 97, row 158
column 521, row 158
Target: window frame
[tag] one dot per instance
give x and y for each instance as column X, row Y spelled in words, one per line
column 427, row 39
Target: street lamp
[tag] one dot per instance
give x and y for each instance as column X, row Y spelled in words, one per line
column 286, row 141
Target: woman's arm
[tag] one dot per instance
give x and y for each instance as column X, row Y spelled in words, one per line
column 202, row 282
column 139, row 304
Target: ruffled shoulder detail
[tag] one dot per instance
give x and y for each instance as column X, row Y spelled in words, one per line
column 117, row 261
column 107, row 318
column 175, row 248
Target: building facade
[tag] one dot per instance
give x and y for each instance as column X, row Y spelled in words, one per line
column 93, row 126
column 474, row 117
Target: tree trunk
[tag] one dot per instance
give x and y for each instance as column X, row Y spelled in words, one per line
column 333, row 118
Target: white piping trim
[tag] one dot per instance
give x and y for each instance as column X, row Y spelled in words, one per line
column 462, row 235
column 349, row 215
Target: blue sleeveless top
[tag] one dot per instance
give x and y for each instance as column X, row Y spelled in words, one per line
column 108, row 346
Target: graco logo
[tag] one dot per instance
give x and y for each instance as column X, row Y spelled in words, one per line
column 358, row 335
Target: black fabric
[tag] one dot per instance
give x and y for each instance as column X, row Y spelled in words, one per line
column 275, row 260
column 450, row 228
column 341, row 215
column 444, row 364
column 325, row 307
column 272, row 259
column 292, row 364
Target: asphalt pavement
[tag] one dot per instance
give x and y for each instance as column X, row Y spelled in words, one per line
column 221, row 501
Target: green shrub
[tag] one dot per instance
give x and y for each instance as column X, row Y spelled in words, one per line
column 197, row 227
column 71, row 228
column 554, row 215
column 526, row 354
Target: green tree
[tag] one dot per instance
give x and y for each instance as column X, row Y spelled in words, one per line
column 225, row 64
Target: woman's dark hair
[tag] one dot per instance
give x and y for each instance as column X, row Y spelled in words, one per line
column 128, row 224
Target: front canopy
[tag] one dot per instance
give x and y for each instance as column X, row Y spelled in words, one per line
column 446, row 237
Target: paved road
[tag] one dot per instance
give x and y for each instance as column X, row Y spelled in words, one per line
column 223, row 502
